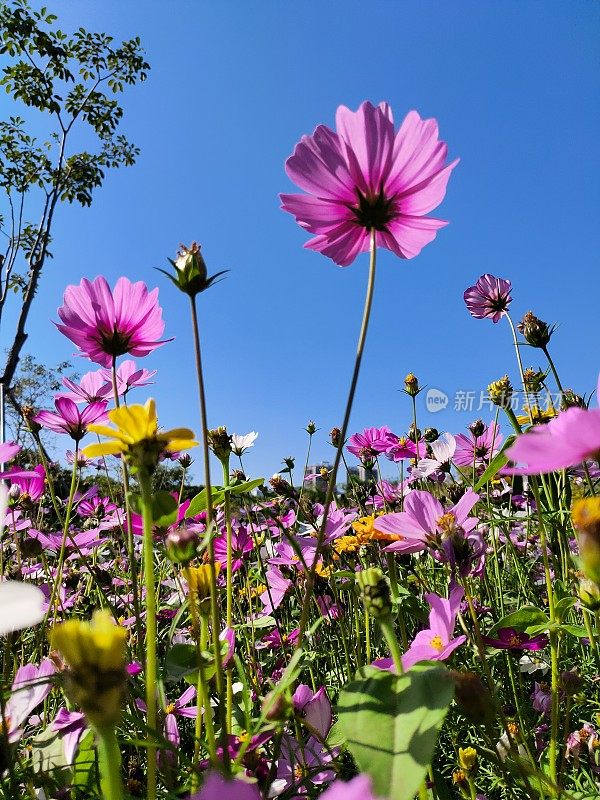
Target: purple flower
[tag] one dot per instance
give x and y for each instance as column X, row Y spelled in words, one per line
column 371, row 442
column 515, row 641
column 70, row 726
column 479, row 449
column 489, row 297
column 216, row 787
column 92, row 387
column 315, row 708
column 301, row 763
column 69, row 419
column 30, row 687
column 129, row 376
column 541, row 698
column 359, row 788
column 30, row 483
column 8, row 450
column 272, row 597
column 365, row 177
column 105, row 324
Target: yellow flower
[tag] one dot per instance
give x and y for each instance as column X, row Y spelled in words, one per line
column 537, row 415
column 346, row 544
column 95, row 653
column 198, row 579
column 467, row 758
column 136, row 436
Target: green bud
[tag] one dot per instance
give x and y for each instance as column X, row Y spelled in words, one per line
column 181, row 546
column 536, row 332
column 375, row 592
column 311, row 428
column 191, row 274
column 411, row 385
column 219, row 442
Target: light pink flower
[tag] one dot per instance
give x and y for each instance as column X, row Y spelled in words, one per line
column 477, row 450
column 105, row 324
column 29, row 688
column 129, row 376
column 8, row 450
column 489, row 297
column 436, row 642
column 92, row 387
column 565, row 441
column 70, row 419
column 366, row 176
column 423, row 518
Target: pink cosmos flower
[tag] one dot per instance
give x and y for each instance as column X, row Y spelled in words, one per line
column 366, row 176
column 105, row 324
column 489, row 297
column 424, row 519
column 8, row 450
column 69, row 419
column 359, row 788
column 129, row 376
column 314, row 708
column 404, row 447
column 371, row 442
column 565, row 441
column 278, row 586
column 92, row 387
column 477, row 449
column 436, row 642
column 216, row 787
column 70, row 726
column 443, row 452
column 30, row 686
column 30, row 483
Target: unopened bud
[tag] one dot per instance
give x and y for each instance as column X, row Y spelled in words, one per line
column 534, row 379
column 277, row 707
column 185, row 460
column 335, row 436
column 181, row 546
column 477, row 428
column 411, row 385
column 282, row 486
column 289, row 462
column 467, row 758
column 431, row 435
column 572, row 400
column 219, row 442
column 191, row 274
column 500, row 392
column 536, row 332
column 589, row 594
column 375, row 592
column 311, row 428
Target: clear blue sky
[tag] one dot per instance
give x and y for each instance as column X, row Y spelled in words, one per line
column 233, row 86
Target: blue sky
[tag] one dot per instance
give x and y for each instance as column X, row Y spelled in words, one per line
column 233, row 86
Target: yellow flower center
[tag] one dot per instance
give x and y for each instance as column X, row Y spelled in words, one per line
column 447, row 522
column 437, row 643
column 170, row 709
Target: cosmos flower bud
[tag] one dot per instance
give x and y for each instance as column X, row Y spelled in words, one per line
column 586, row 520
column 28, row 415
column 335, row 436
column 534, row 379
column 431, row 435
column 570, row 682
column 473, row 697
column 282, row 486
column 219, row 442
column 411, row 385
column 536, row 332
column 311, row 428
column 589, row 594
column 277, row 707
column 413, row 432
column 572, row 400
column 185, row 460
column 477, row 428
column 500, row 392
column 467, row 758
column 191, row 274
column 181, row 546
column 289, row 462
column 238, row 476
column 375, row 592
column 95, row 653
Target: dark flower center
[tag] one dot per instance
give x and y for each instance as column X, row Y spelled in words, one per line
column 373, row 211
column 114, row 342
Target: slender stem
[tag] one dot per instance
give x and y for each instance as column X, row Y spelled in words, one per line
column 150, row 601
column 109, row 757
column 229, row 585
column 520, row 364
column 214, row 607
column 553, row 369
column 55, row 594
column 310, row 581
column 387, row 628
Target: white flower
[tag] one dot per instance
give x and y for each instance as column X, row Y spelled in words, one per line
column 443, row 452
column 242, row 442
column 21, row 605
column 531, row 664
column 503, row 747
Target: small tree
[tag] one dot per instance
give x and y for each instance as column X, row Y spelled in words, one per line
column 73, row 80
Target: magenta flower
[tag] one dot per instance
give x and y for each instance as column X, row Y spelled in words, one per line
column 8, row 450
column 105, row 324
column 69, row 419
column 216, row 787
column 515, row 641
column 366, row 176
column 565, row 441
column 436, row 642
column 359, row 788
column 371, row 442
column 477, row 449
column 404, row 447
column 70, row 726
column 273, row 596
column 92, row 387
column 488, row 298
column 314, row 708
column 30, row 484
column 424, row 520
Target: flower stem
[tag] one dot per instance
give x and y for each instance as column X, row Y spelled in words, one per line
column 229, row 584
column 109, row 757
column 310, row 581
column 150, row 601
column 55, row 594
column 387, row 628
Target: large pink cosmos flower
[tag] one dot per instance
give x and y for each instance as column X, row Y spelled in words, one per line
column 424, row 518
column 105, row 324
column 567, row 440
column 436, row 642
column 366, row 176
column 489, row 297
column 371, row 442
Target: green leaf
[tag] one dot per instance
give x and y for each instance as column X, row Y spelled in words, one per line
column 335, row 737
column 258, row 623
column 575, row 630
column 198, row 503
column 563, row 606
column 526, row 618
column 181, row 660
column 391, row 724
column 164, row 509
column 247, row 486
column 495, row 465
column 84, row 768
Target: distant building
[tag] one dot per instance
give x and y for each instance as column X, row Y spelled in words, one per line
column 316, row 476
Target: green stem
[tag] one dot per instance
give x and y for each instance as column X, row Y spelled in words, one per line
column 151, row 631
column 387, row 628
column 109, row 757
column 229, row 584
column 553, row 369
column 55, row 594
column 310, row 581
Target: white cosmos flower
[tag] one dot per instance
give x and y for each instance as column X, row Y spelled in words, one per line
column 21, row 604
column 443, row 451
column 531, row 664
column 241, row 442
